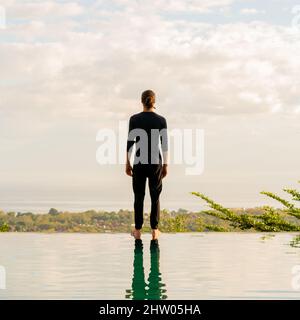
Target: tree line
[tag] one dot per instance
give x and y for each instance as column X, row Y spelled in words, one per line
column 217, row 218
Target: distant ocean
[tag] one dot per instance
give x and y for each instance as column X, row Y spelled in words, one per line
column 43, row 206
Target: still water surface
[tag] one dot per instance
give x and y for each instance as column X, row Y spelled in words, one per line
column 178, row 266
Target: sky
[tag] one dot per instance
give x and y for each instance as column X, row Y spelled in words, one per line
column 72, row 68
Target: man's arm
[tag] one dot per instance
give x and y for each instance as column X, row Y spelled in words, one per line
column 130, row 144
column 165, row 147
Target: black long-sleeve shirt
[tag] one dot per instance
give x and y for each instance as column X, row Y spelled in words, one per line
column 154, row 128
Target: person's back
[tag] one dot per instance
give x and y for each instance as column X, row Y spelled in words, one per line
column 146, row 130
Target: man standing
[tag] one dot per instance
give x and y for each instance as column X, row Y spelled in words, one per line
column 146, row 129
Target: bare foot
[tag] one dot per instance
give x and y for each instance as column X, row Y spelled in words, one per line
column 136, row 233
column 155, row 234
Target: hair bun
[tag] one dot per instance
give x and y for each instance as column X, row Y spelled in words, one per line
column 148, row 98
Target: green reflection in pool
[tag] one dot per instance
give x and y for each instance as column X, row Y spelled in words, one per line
column 153, row 288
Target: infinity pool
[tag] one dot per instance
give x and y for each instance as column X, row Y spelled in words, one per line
column 178, row 266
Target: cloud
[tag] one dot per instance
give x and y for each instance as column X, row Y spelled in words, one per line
column 68, row 69
column 86, row 68
column 42, row 9
column 251, row 11
column 191, row 5
column 166, row 6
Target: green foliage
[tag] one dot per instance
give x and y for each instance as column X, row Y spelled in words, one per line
column 53, row 212
column 92, row 221
column 274, row 221
column 4, row 228
column 213, row 227
column 295, row 242
column 240, row 221
column 295, row 194
column 289, row 208
column 219, row 219
column 271, row 220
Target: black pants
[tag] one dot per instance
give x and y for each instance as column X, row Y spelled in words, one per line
column 154, row 174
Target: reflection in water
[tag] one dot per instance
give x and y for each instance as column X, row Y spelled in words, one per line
column 267, row 237
column 295, row 242
column 140, row 290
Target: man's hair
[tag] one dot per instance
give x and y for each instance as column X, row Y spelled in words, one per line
column 148, row 98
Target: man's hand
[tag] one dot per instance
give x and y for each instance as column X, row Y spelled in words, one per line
column 128, row 169
column 164, row 170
